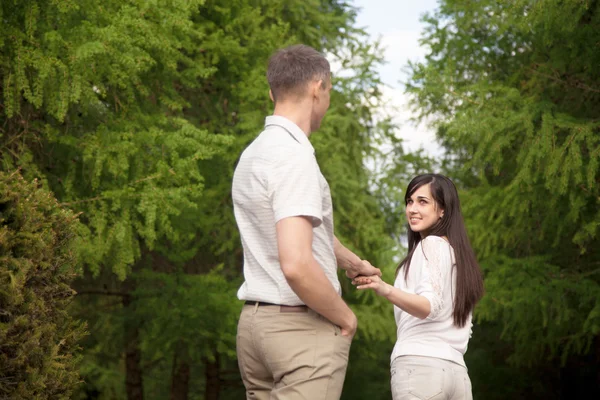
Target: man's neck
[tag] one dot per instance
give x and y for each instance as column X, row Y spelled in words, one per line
column 297, row 113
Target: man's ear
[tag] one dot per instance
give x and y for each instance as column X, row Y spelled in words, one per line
column 271, row 96
column 317, row 87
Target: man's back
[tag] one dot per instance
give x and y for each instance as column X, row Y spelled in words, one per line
column 277, row 177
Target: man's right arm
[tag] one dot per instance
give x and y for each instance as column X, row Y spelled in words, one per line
column 305, row 276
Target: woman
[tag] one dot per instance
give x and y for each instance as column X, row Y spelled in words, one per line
column 437, row 286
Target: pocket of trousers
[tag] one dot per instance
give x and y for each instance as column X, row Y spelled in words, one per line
column 426, row 383
column 290, row 355
column 338, row 332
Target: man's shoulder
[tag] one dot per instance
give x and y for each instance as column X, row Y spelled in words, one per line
column 274, row 144
column 277, row 136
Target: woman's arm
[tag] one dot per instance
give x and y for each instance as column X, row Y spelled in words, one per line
column 428, row 301
column 414, row 304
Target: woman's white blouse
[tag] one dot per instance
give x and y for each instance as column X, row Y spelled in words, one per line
column 433, row 276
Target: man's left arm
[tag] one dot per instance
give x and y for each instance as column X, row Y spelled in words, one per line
column 351, row 263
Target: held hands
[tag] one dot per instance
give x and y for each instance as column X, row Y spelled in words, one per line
column 364, row 268
column 372, row 282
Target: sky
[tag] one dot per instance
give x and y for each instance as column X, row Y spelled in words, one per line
column 397, row 23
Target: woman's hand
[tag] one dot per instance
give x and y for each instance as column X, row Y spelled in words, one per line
column 372, row 282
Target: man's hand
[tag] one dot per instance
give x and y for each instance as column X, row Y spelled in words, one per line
column 349, row 329
column 351, row 263
column 364, row 268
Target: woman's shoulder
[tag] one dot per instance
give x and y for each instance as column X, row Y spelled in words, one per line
column 433, row 241
column 435, row 246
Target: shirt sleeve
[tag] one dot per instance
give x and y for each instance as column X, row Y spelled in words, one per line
column 437, row 260
column 295, row 187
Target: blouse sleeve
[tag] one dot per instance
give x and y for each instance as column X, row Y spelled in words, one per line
column 437, row 260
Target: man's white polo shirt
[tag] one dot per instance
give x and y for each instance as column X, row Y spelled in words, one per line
column 277, row 177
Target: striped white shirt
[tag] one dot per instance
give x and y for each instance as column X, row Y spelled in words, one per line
column 277, row 177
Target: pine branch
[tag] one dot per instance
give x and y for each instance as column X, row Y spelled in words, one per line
column 103, row 292
column 577, row 85
column 81, row 201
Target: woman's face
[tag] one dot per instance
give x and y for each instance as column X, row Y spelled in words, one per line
column 422, row 212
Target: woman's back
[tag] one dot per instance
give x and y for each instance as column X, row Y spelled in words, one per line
column 431, row 275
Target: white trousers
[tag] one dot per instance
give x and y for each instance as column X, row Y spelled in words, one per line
column 429, row 378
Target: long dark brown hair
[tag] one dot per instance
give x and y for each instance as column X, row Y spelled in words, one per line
column 469, row 280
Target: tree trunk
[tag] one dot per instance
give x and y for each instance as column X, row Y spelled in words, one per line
column 133, row 356
column 180, row 381
column 213, row 378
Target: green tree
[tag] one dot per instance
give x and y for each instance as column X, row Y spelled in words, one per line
column 93, row 96
column 40, row 352
column 515, row 99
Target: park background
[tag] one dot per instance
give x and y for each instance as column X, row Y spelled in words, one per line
column 120, row 126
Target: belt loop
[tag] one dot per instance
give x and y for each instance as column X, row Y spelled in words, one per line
column 255, row 308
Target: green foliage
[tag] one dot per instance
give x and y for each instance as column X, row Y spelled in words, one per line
column 176, row 306
column 368, row 374
column 178, row 322
column 39, row 352
column 547, row 294
column 187, row 315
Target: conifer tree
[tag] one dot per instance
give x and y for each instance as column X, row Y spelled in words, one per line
column 39, row 349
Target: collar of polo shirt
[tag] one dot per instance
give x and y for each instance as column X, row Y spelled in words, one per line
column 291, row 128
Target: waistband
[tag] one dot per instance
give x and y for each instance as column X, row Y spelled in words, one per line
column 283, row 309
column 427, row 361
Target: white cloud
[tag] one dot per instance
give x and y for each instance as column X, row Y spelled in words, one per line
column 414, row 135
column 402, row 45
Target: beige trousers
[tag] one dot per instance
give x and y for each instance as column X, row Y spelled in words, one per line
column 290, row 354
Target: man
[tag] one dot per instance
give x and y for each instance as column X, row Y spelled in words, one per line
column 295, row 330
